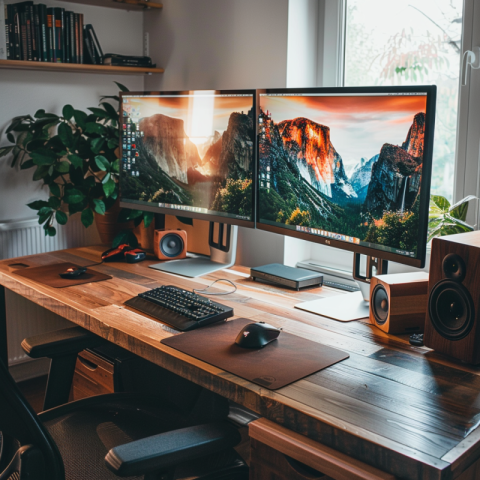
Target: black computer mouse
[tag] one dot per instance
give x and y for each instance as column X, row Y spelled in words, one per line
column 257, row 335
column 73, row 272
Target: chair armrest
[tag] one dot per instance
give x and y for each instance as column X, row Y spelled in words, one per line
column 160, row 452
column 60, row 342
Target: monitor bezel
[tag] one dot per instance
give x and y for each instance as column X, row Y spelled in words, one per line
column 184, row 213
column 419, row 260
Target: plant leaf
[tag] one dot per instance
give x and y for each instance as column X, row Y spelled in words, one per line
column 122, row 88
column 115, row 166
column 50, row 231
column 73, row 196
column 147, row 218
column 87, row 217
column 27, row 164
column 459, row 210
column 99, row 112
column 92, row 127
column 40, row 172
column 54, row 202
column 99, row 206
column 126, row 236
column 80, row 118
column 62, row 167
column 54, row 188
column 109, row 187
column 106, row 178
column 68, row 112
column 61, row 217
column 37, row 204
column 102, row 163
column 65, row 134
column 185, row 220
column 6, row 150
column 97, row 144
column 110, row 110
column 75, row 160
column 43, row 157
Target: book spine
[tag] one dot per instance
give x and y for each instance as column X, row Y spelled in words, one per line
column 66, row 38
column 36, row 34
column 42, row 11
column 4, row 40
column 28, row 22
column 59, row 35
column 73, row 55
column 10, row 37
column 89, row 56
column 52, row 55
column 80, row 37
column 95, row 43
column 17, row 50
column 23, row 35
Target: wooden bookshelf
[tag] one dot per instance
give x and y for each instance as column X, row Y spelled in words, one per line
column 122, row 4
column 77, row 68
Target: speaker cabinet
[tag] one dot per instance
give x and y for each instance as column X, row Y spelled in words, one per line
column 452, row 322
column 170, row 244
column 398, row 302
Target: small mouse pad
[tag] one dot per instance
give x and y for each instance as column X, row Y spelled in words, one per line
column 283, row 361
column 49, row 275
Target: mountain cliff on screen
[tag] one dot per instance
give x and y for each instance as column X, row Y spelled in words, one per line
column 172, row 170
column 303, row 181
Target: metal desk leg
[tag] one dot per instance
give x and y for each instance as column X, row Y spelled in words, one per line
column 3, row 327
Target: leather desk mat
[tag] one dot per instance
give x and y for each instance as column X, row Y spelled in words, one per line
column 49, row 275
column 283, row 361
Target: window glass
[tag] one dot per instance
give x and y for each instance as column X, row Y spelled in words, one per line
column 405, row 42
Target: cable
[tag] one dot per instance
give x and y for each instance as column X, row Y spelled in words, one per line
column 204, row 291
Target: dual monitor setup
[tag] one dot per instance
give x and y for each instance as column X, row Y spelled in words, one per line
column 344, row 167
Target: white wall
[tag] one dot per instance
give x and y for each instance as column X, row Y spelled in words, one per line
column 223, row 44
column 24, row 92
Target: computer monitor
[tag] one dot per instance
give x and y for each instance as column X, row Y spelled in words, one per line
column 349, row 168
column 191, row 154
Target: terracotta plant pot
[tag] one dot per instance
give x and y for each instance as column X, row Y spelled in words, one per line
column 107, row 224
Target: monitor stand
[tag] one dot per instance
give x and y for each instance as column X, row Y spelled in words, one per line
column 223, row 252
column 350, row 306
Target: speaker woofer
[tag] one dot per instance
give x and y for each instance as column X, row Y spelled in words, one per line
column 451, row 310
column 454, row 267
column 171, row 245
column 380, row 305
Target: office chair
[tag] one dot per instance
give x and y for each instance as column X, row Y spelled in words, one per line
column 110, row 436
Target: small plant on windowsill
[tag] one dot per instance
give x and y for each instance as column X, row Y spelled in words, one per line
column 75, row 155
column 445, row 219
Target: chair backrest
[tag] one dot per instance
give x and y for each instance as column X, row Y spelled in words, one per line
column 18, row 421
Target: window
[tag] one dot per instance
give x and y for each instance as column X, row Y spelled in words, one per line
column 405, row 42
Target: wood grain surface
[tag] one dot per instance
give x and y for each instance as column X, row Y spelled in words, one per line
column 405, row 410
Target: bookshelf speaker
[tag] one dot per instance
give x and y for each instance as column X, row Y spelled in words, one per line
column 452, row 322
column 170, row 244
column 398, row 302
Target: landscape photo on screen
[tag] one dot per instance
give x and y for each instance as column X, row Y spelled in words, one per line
column 343, row 167
column 192, row 152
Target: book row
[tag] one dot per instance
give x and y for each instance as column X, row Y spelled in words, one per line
column 47, row 34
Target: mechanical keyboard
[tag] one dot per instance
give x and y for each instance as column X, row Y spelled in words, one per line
column 179, row 308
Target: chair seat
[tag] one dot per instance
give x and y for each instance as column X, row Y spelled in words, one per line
column 86, row 430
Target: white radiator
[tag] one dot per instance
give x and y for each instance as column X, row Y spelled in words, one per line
column 27, row 237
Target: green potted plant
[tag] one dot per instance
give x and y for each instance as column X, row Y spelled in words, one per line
column 445, row 219
column 76, row 156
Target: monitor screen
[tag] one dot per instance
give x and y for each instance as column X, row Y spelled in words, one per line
column 189, row 154
column 348, row 167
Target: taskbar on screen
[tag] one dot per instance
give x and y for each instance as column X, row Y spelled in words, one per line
column 341, row 237
column 188, row 208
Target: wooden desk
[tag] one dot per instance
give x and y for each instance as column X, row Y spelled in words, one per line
column 405, row 410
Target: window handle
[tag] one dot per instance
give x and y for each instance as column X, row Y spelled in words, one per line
column 472, row 58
